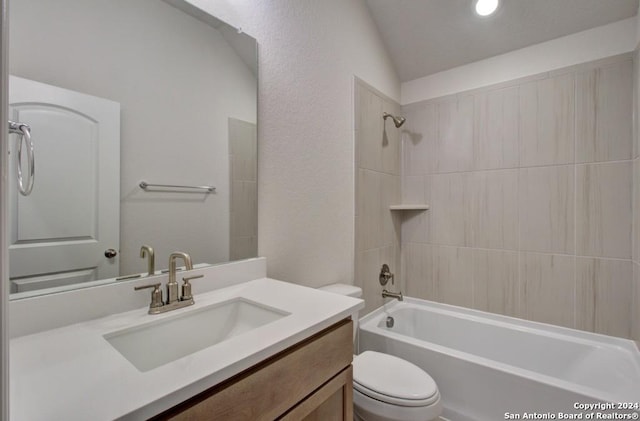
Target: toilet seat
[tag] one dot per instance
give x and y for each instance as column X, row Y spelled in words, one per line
column 393, row 380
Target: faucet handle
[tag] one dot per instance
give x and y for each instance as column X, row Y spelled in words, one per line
column 385, row 275
column 186, row 287
column 156, row 296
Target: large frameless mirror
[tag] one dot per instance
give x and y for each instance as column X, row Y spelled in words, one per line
column 143, row 119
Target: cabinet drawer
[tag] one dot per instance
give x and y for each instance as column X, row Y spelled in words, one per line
column 272, row 387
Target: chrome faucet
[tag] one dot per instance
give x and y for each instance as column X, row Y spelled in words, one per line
column 172, row 285
column 174, row 301
column 389, row 294
column 147, row 251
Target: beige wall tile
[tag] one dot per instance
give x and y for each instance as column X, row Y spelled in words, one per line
column 495, row 209
column 418, row 137
column 537, row 129
column 635, row 317
column 453, row 275
column 244, row 209
column 547, row 110
column 413, row 189
column 390, row 140
column 358, row 89
column 370, row 262
column 243, row 247
column 495, row 134
column 495, row 283
column 453, row 149
column 357, row 268
column 391, row 256
column 604, row 296
column 604, row 113
column 243, row 149
column 636, row 103
column 369, row 133
column 356, row 149
column 390, row 195
column 368, row 281
column 636, row 211
column 547, row 287
column 417, row 270
column 244, row 168
column 377, row 187
column 603, row 209
column 369, row 228
column 451, row 209
column 546, row 206
column 415, row 224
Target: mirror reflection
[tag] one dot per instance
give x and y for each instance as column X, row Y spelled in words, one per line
column 118, row 93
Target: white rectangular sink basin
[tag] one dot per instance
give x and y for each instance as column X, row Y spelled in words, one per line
column 162, row 341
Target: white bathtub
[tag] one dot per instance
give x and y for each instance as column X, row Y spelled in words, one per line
column 491, row 367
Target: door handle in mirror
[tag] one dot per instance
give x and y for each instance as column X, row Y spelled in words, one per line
column 110, row 253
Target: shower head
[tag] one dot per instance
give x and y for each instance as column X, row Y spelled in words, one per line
column 398, row 121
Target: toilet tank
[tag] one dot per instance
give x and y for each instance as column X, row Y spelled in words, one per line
column 349, row 290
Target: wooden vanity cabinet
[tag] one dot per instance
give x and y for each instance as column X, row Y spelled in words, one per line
column 310, row 381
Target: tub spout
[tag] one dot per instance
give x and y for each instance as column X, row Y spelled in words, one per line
column 389, row 294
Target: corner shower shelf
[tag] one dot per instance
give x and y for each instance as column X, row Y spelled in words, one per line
column 420, row 207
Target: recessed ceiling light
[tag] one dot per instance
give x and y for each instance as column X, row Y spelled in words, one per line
column 486, row 7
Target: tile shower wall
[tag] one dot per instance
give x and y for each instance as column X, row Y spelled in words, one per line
column 243, row 168
column 635, row 324
column 530, row 188
column 377, row 156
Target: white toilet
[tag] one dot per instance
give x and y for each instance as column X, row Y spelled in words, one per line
column 388, row 388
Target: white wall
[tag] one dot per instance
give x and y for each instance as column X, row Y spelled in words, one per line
column 178, row 82
column 604, row 41
column 309, row 52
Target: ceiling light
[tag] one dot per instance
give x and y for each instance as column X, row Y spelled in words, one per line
column 486, row 7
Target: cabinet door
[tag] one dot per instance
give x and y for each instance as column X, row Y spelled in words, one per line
column 332, row 402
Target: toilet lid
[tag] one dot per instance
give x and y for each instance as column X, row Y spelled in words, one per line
column 393, row 380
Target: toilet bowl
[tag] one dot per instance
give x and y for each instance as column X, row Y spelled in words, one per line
column 388, row 388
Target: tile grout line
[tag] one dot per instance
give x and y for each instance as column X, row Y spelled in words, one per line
column 547, row 253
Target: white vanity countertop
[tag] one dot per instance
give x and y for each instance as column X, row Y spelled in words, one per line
column 73, row 373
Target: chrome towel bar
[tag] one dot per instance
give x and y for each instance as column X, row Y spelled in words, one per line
column 146, row 186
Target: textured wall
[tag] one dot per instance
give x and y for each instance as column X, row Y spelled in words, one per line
column 530, row 187
column 309, row 52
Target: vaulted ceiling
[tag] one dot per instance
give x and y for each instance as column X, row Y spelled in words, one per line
column 427, row 36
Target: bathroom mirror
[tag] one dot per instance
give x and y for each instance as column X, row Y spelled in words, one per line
column 118, row 93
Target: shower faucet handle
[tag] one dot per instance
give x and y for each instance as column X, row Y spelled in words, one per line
column 385, row 275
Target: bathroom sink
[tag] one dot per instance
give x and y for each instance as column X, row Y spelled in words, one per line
column 162, row 341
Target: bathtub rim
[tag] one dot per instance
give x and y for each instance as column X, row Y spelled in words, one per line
column 371, row 321
column 526, row 325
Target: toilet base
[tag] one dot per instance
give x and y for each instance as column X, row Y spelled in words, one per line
column 369, row 409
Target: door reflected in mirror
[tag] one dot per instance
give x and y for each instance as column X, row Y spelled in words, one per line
column 117, row 93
